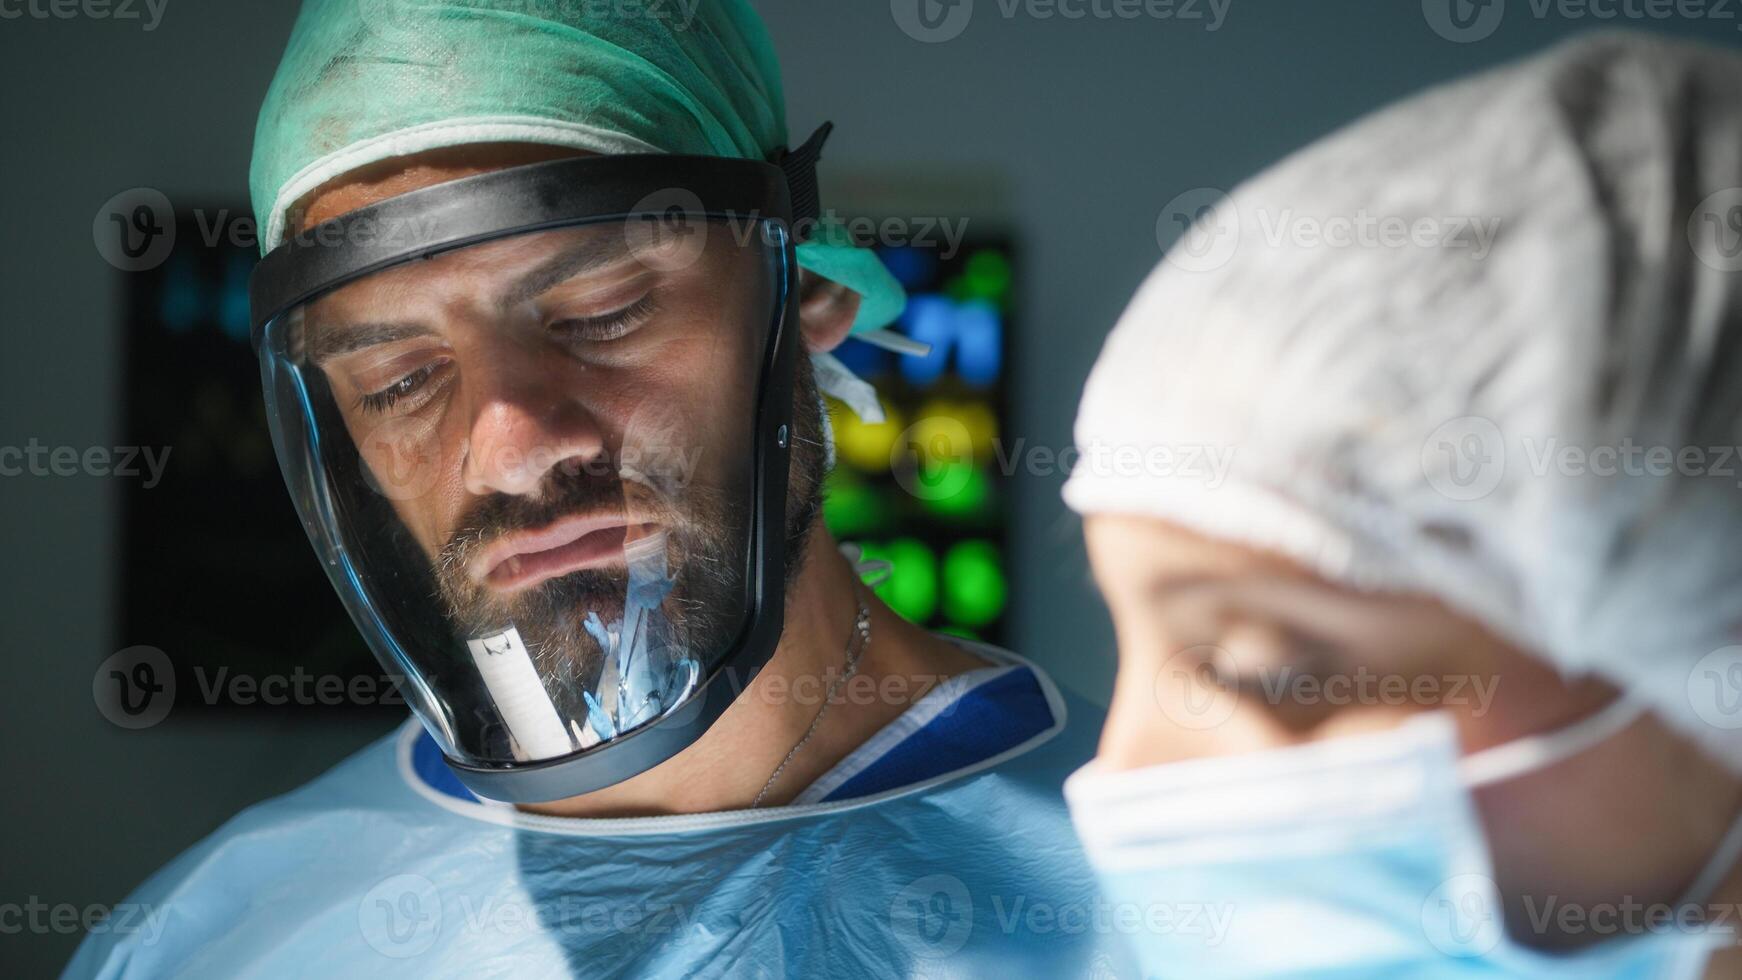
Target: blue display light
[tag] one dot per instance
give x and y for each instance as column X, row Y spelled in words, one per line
column 864, row 360
column 974, row 330
column 912, row 267
column 979, row 342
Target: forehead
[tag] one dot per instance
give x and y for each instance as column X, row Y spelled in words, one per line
column 1162, row 544
column 530, row 262
column 1141, row 554
column 393, row 304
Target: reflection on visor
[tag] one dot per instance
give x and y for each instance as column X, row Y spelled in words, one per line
column 644, row 673
column 534, row 728
column 531, row 464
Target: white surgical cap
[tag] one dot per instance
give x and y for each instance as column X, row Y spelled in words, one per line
column 1485, row 345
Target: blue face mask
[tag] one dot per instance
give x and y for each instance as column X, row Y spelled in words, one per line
column 1354, row 857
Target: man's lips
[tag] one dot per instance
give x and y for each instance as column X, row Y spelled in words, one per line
column 520, row 560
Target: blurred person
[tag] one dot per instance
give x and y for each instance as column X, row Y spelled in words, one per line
column 1433, row 682
column 543, row 326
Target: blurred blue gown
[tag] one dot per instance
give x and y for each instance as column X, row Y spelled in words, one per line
column 925, row 857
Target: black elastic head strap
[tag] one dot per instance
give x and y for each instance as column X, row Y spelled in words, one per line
column 474, row 208
column 800, row 167
column 425, row 222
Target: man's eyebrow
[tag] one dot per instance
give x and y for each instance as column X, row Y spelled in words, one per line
column 327, row 342
column 582, row 256
column 594, row 251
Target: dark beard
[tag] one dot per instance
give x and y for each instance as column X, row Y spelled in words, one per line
column 804, row 488
column 707, row 531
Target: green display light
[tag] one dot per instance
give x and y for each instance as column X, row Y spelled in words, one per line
column 975, row 592
column 987, row 275
column 852, row 508
column 973, row 497
column 912, row 586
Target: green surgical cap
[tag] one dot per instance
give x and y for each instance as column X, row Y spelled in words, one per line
column 367, row 80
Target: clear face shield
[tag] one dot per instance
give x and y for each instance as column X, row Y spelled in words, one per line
column 536, row 424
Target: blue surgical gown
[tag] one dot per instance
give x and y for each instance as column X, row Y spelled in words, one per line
column 373, row 871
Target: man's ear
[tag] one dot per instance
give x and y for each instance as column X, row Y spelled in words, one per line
column 825, row 311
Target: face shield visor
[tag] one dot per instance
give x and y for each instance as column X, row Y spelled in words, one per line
column 536, row 424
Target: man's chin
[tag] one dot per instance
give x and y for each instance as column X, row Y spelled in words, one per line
column 567, row 606
column 550, row 608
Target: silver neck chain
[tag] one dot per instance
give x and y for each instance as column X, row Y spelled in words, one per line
column 856, row 645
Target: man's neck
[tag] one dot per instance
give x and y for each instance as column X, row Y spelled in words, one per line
column 732, row 762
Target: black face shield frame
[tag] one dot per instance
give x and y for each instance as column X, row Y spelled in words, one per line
column 433, row 221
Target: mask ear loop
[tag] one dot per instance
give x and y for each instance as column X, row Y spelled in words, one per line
column 1528, row 754
column 873, row 572
column 1533, row 752
column 1717, row 868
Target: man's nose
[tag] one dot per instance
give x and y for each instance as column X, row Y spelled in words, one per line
column 527, row 418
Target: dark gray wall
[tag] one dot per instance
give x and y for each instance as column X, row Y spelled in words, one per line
column 1091, row 124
